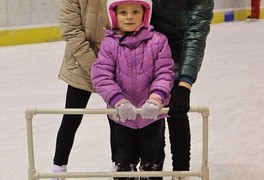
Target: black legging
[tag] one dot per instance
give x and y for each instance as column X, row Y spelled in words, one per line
column 75, row 98
column 112, row 139
column 180, row 142
column 180, row 138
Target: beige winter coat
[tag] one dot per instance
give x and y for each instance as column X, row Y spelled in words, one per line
column 82, row 23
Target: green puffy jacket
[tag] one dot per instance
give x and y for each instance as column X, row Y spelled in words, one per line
column 186, row 23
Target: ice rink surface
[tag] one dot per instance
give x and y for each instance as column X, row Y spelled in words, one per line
column 230, row 83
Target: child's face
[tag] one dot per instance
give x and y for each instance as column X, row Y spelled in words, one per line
column 129, row 16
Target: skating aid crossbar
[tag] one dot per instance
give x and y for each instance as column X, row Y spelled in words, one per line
column 33, row 174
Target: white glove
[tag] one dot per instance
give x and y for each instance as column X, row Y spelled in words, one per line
column 150, row 110
column 126, row 111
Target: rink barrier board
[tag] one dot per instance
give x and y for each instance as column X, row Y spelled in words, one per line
column 203, row 173
column 233, row 15
column 47, row 34
column 29, row 36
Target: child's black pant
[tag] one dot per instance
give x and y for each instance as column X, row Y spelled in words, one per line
column 144, row 145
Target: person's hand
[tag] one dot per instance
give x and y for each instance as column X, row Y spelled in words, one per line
column 150, row 110
column 126, row 111
column 180, row 101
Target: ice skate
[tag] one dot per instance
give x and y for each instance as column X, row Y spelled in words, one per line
column 180, row 178
column 250, row 18
column 58, row 169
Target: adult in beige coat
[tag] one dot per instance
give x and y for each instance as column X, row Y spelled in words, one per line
column 82, row 26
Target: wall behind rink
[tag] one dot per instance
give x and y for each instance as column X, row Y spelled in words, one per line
column 30, row 21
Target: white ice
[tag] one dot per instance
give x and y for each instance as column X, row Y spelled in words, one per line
column 230, row 83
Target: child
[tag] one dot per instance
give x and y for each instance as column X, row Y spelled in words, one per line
column 134, row 69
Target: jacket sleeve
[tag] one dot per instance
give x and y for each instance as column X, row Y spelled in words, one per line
column 103, row 74
column 164, row 70
column 73, row 33
column 198, row 27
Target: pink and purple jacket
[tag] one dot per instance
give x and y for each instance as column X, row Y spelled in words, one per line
column 133, row 69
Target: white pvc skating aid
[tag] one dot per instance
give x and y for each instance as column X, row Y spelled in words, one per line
column 203, row 173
